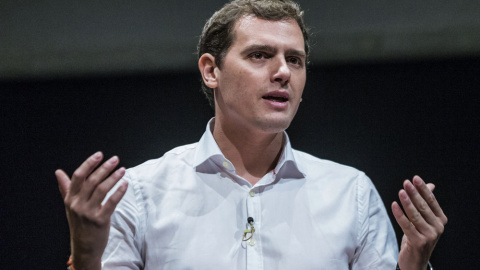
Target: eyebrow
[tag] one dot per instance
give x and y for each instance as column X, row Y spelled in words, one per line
column 296, row 53
column 273, row 50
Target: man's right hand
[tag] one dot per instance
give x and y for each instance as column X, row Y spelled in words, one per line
column 88, row 219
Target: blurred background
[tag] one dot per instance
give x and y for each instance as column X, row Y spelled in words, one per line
column 392, row 89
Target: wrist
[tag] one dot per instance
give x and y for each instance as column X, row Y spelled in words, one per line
column 74, row 264
column 429, row 266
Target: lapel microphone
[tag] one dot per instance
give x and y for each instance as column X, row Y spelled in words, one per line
column 250, row 229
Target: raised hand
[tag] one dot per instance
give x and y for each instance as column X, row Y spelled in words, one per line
column 422, row 225
column 88, row 219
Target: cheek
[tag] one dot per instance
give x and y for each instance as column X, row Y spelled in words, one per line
column 240, row 85
column 300, row 85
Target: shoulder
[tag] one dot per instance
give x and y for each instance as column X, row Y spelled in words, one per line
column 181, row 156
column 338, row 181
column 314, row 167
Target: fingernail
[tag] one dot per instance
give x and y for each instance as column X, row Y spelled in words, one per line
column 417, row 180
column 410, row 186
column 97, row 155
column 113, row 160
column 404, row 195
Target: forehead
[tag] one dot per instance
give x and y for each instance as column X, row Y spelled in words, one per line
column 249, row 30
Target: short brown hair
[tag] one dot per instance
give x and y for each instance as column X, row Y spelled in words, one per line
column 217, row 35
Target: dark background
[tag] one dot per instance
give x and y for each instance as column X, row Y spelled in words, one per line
column 391, row 119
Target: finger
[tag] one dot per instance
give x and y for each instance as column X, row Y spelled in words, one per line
column 407, row 226
column 427, row 194
column 420, row 204
column 412, row 213
column 63, row 182
column 98, row 176
column 83, row 171
column 109, row 206
column 103, row 188
column 430, row 186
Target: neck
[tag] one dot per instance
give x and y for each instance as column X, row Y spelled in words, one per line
column 253, row 153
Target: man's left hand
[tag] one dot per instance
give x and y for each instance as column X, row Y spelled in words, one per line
column 422, row 225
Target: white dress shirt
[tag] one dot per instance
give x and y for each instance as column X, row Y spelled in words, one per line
column 188, row 210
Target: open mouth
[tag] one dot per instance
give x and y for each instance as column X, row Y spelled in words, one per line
column 276, row 97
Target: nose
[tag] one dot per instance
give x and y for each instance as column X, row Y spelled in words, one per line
column 281, row 72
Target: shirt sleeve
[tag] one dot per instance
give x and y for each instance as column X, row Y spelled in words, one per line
column 377, row 241
column 124, row 248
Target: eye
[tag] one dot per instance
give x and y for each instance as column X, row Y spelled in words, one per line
column 295, row 61
column 258, row 55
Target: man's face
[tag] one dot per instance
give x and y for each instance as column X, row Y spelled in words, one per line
column 262, row 77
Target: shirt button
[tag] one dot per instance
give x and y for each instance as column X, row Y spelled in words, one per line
column 225, row 164
column 251, row 242
column 252, row 193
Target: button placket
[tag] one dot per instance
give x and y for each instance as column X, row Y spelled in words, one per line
column 254, row 247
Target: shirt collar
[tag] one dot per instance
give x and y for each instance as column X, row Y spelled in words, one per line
column 287, row 165
column 208, row 151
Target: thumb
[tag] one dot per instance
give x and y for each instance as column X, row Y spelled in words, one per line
column 63, row 182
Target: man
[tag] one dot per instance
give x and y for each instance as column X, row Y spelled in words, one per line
column 242, row 198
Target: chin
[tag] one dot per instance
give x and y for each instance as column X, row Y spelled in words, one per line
column 275, row 125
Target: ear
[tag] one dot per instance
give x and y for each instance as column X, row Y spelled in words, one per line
column 207, row 67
